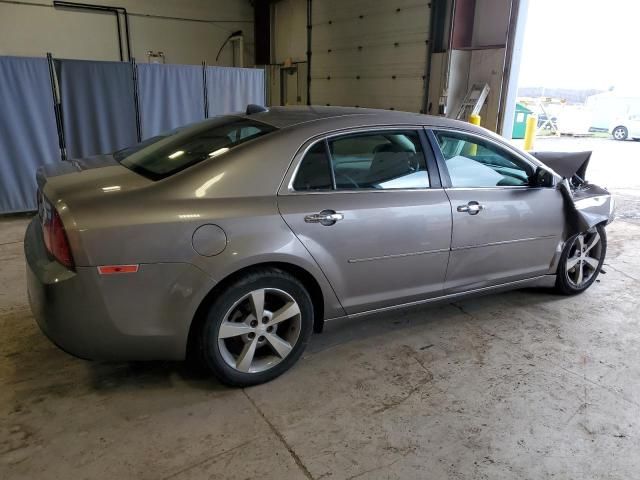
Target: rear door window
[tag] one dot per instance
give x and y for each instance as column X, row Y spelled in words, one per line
column 381, row 160
column 314, row 172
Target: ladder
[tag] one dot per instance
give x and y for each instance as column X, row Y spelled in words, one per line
column 473, row 101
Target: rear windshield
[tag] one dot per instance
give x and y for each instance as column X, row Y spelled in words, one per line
column 162, row 156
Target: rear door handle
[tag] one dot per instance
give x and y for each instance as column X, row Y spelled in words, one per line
column 325, row 217
column 472, row 208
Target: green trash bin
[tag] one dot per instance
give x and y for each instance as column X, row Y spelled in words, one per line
column 520, row 120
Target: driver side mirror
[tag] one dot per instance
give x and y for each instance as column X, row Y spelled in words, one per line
column 541, row 178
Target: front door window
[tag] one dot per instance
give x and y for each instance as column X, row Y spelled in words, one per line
column 476, row 163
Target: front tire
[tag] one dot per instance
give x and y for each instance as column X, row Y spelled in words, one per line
column 257, row 328
column 581, row 261
column 620, row 133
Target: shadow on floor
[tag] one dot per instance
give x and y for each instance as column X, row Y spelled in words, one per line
column 343, row 331
column 109, row 377
column 61, row 374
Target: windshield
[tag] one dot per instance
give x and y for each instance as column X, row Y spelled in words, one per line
column 166, row 154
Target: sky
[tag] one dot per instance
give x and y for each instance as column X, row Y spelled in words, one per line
column 582, row 44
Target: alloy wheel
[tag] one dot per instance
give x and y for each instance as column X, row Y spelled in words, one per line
column 584, row 258
column 259, row 330
column 620, row 133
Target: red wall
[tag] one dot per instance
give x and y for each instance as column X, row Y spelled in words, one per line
column 463, row 23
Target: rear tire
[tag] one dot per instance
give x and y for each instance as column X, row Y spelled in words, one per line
column 620, row 133
column 581, row 261
column 257, row 328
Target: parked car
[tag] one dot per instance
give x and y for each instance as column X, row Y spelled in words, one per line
column 628, row 127
column 233, row 238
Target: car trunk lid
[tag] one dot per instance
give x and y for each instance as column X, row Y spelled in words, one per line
column 82, row 178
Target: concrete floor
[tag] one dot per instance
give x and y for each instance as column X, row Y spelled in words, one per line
column 523, row 384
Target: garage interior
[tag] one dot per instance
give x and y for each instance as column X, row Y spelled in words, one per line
column 524, row 384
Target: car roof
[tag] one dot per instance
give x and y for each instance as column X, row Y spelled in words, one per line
column 284, row 117
column 317, row 120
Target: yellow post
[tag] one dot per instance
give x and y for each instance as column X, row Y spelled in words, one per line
column 474, row 119
column 530, row 132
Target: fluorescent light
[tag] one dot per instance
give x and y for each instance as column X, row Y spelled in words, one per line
column 176, row 154
column 188, row 215
column 113, row 188
column 220, row 151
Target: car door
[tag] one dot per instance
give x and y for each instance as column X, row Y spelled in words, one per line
column 369, row 208
column 504, row 229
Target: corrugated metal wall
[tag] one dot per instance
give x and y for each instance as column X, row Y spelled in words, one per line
column 370, row 54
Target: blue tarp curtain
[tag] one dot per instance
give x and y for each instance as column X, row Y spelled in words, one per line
column 170, row 96
column 99, row 110
column 28, row 135
column 232, row 89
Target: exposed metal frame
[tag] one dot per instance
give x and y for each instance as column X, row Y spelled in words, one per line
column 104, row 8
column 513, row 56
column 205, row 90
column 434, row 9
column 136, row 98
column 55, row 95
column 309, row 18
column 508, row 61
column 286, row 70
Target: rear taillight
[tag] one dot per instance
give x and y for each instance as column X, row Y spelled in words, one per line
column 55, row 237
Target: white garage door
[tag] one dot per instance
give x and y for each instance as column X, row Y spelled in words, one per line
column 369, row 54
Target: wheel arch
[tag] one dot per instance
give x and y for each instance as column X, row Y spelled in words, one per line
column 566, row 286
column 305, row 277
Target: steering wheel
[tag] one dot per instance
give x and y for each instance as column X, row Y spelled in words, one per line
column 413, row 162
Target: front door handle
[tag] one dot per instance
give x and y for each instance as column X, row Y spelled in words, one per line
column 472, row 208
column 325, row 217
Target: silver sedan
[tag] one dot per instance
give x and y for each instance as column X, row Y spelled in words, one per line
column 231, row 240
